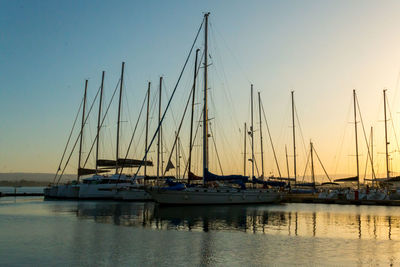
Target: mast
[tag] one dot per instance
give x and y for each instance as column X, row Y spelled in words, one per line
column 147, row 128
column 176, row 155
column 178, row 152
column 192, row 115
column 372, row 154
column 205, row 111
column 261, row 138
column 312, row 164
column 386, row 137
column 287, row 164
column 294, row 141
column 82, row 126
column 355, row 129
column 119, row 115
column 244, row 150
column 159, row 131
column 252, row 136
column 99, row 118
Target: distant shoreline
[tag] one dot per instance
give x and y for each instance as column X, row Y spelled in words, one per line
column 31, row 179
column 24, row 183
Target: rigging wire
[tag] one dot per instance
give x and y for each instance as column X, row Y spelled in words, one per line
column 305, row 169
column 69, row 138
column 216, row 151
column 194, row 138
column 76, row 141
column 365, row 137
column 172, row 95
column 320, row 162
column 133, row 135
column 270, row 139
column 101, row 124
column 340, row 148
column 300, row 129
column 366, row 160
column 228, row 96
column 180, row 124
column 232, row 54
column 394, row 130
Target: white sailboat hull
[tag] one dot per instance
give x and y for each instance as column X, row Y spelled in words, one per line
column 100, row 191
column 204, row 196
column 133, row 194
column 68, row 191
column 64, row 191
column 50, row 192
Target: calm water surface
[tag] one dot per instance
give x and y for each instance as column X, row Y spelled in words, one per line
column 22, row 189
column 101, row 233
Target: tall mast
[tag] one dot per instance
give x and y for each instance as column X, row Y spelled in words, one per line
column 252, row 135
column 179, row 156
column 119, row 115
column 99, row 118
column 372, row 154
column 82, row 126
column 192, row 115
column 159, row 131
column 287, row 164
column 386, row 137
column 294, row 141
column 176, row 155
column 205, row 111
column 355, row 129
column 147, row 128
column 261, row 138
column 244, row 150
column 312, row 164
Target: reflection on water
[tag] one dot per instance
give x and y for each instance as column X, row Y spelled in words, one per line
column 99, row 233
column 350, row 222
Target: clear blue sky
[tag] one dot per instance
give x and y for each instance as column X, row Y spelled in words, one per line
column 321, row 49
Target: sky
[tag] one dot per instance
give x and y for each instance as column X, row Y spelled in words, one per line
column 322, row 50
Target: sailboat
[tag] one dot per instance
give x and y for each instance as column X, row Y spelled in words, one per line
column 99, row 186
column 180, row 194
column 108, row 187
column 135, row 191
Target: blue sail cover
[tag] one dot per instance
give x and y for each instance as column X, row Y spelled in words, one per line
column 175, row 186
column 209, row 177
column 306, row 184
column 270, row 183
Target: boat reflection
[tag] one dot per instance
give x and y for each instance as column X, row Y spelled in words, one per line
column 292, row 219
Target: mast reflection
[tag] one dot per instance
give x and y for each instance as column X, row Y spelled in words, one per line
column 258, row 219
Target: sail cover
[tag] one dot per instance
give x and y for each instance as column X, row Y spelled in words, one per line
column 329, row 183
column 208, row 177
column 194, row 177
column 391, row 179
column 349, row 179
column 270, row 183
column 83, row 171
column 281, row 178
column 306, row 184
column 110, row 164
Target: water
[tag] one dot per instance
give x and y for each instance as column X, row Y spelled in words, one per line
column 22, row 189
column 101, row 233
